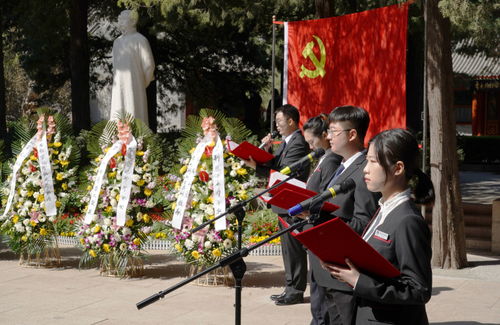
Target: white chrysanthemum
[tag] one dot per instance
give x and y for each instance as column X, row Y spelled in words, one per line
column 189, row 244
column 135, row 178
column 147, row 177
column 208, row 244
column 228, row 243
column 233, row 173
column 42, row 218
column 126, row 231
column 19, row 227
column 107, row 222
column 26, row 221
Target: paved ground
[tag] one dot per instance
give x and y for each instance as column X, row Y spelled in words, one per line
column 70, row 296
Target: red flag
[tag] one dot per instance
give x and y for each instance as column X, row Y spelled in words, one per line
column 357, row 59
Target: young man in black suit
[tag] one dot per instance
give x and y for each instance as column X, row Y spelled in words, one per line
column 293, row 148
column 346, row 132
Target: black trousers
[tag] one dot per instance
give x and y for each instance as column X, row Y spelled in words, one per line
column 319, row 308
column 294, row 260
column 341, row 307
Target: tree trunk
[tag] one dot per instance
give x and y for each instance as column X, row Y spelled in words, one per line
column 3, row 108
column 448, row 240
column 79, row 65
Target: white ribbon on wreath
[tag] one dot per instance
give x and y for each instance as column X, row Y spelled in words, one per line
column 219, row 194
column 125, row 138
column 40, row 141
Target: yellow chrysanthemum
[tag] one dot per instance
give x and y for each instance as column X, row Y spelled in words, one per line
column 43, row 231
column 147, row 192
column 15, row 219
column 146, row 218
column 55, row 152
column 229, row 234
column 139, row 153
column 32, row 157
column 89, row 187
column 173, row 205
column 216, row 252
column 64, row 186
column 242, row 171
column 64, row 163
column 57, row 144
column 24, row 238
column 59, row 176
column 183, row 169
column 210, row 199
column 30, row 193
column 112, row 175
column 106, row 248
column 178, row 247
column 129, row 223
column 109, row 209
column 137, row 241
column 195, row 254
column 40, row 198
column 96, row 229
column 97, row 159
column 177, row 185
column 140, row 182
column 192, row 150
column 58, row 204
column 92, row 253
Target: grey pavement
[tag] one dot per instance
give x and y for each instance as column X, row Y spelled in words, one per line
column 70, row 296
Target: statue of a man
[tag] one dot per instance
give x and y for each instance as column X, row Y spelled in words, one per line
column 133, row 70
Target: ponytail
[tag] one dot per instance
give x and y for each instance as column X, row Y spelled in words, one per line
column 423, row 190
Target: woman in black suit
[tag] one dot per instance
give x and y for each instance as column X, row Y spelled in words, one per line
column 398, row 232
column 315, row 133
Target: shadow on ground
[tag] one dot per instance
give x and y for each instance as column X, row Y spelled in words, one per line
column 463, row 323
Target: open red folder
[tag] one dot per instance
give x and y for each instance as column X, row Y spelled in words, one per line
column 334, row 241
column 245, row 149
column 290, row 193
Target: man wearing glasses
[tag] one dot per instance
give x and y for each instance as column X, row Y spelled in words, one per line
column 292, row 148
column 346, row 132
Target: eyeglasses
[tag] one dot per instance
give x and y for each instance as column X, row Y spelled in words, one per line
column 336, row 133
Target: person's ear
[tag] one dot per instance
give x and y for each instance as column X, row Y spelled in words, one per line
column 399, row 168
column 352, row 134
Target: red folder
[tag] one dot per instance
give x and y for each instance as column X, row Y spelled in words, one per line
column 287, row 198
column 245, row 149
column 334, row 241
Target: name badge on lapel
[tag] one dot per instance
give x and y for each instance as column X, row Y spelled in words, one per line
column 381, row 234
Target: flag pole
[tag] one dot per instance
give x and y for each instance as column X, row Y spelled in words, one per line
column 273, row 67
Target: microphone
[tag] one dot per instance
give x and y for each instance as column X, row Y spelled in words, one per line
column 316, row 201
column 273, row 135
column 307, row 159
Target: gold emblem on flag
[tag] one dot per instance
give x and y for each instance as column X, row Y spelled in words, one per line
column 307, row 52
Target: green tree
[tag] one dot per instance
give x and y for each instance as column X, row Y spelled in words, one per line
column 3, row 108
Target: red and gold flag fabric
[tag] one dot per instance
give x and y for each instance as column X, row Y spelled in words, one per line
column 357, row 59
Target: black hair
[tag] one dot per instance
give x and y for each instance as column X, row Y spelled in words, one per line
column 396, row 145
column 356, row 116
column 289, row 111
column 317, row 125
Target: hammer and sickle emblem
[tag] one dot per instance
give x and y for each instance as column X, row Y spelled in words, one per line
column 319, row 64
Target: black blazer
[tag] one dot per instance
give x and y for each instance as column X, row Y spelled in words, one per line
column 356, row 208
column 286, row 155
column 323, row 173
column 407, row 245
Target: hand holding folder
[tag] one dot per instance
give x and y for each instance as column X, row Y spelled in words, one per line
column 245, row 150
column 334, row 241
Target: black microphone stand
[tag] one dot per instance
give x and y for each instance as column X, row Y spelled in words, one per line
column 235, row 261
column 236, row 264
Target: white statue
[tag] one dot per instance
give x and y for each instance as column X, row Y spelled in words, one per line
column 133, row 68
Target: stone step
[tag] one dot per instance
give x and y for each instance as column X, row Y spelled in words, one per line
column 478, row 244
column 474, row 232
